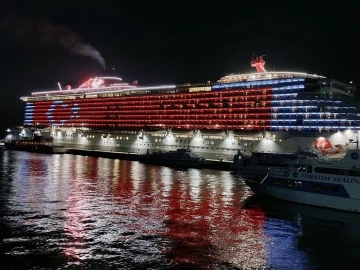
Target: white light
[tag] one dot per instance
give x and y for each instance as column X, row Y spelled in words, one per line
column 278, row 73
column 105, row 90
column 113, row 78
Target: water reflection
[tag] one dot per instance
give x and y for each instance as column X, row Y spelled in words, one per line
column 92, row 209
column 103, row 213
column 305, row 237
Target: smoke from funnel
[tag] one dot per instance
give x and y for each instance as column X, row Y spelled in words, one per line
column 44, row 31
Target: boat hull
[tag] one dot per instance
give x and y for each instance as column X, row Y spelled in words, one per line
column 36, row 148
column 308, row 198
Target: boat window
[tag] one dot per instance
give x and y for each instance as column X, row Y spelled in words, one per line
column 328, row 170
column 309, row 169
column 310, row 186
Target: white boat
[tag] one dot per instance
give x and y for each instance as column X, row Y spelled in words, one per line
column 326, row 183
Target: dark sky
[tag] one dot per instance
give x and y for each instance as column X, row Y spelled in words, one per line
column 172, row 42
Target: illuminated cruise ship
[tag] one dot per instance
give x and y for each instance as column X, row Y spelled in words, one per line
column 261, row 111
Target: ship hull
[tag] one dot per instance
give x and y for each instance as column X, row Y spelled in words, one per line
column 207, row 146
column 35, row 148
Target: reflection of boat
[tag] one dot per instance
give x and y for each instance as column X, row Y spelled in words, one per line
column 327, row 183
column 311, row 233
column 256, row 166
column 37, row 144
column 180, row 157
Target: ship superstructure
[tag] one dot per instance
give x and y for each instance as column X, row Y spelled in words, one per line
column 238, row 112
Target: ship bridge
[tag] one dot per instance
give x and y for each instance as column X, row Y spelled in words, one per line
column 331, row 87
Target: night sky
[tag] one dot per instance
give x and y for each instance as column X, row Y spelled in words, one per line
column 172, row 42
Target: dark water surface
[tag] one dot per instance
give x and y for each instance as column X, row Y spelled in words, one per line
column 77, row 212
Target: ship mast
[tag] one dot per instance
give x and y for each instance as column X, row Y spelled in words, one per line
column 258, row 63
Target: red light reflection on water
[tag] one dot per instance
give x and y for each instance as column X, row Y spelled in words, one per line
column 213, row 229
column 196, row 214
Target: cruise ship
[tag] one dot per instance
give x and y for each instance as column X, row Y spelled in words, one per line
column 262, row 111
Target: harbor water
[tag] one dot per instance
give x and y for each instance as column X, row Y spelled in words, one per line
column 63, row 211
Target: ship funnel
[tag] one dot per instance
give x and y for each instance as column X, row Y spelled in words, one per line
column 258, row 63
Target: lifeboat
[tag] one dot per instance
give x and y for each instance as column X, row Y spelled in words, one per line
column 213, row 131
column 128, row 128
column 247, row 131
column 181, row 129
column 153, row 128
